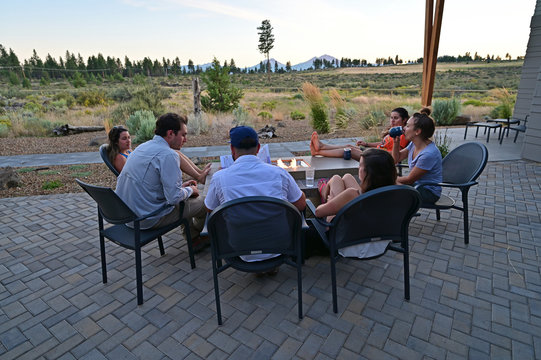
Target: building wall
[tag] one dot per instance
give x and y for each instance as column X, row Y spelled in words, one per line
column 529, row 90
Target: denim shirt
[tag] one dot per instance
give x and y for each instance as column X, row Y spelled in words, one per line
column 152, row 178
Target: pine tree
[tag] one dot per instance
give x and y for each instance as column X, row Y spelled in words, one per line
column 266, row 41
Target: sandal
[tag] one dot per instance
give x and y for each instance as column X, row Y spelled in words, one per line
column 321, row 184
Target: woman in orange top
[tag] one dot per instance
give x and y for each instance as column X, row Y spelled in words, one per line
column 399, row 117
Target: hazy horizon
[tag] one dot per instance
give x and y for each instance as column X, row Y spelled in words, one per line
column 201, row 30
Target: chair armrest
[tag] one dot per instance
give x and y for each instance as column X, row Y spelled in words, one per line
column 205, row 231
column 152, row 213
column 465, row 185
column 310, row 206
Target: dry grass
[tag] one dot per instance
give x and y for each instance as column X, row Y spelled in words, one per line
column 311, row 93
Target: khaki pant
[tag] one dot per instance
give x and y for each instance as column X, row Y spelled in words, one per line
column 194, row 210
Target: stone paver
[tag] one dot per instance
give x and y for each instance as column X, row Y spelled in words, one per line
column 481, row 300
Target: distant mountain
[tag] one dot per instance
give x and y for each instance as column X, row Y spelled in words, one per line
column 309, row 63
column 298, row 67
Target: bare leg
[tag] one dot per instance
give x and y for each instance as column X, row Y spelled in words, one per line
column 334, row 187
column 350, row 182
column 336, row 151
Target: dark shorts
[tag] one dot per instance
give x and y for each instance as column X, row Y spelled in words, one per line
column 428, row 196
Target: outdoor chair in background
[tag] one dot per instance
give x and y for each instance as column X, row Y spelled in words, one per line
column 113, row 210
column 377, row 215
column 460, row 170
column 255, row 225
column 519, row 127
column 105, row 158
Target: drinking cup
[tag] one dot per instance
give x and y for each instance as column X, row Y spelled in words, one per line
column 310, row 174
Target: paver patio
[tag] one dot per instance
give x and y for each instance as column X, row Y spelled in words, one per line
column 481, row 300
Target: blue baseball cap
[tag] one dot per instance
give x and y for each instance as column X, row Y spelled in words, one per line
column 239, row 133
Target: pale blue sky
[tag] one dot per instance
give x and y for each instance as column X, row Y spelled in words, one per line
column 202, row 29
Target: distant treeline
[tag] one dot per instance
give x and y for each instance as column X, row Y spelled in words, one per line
column 72, row 66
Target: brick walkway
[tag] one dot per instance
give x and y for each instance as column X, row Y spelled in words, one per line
column 477, row 301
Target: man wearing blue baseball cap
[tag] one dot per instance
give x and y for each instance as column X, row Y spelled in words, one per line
column 249, row 176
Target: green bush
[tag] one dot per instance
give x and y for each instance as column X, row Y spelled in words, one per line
column 67, row 97
column 14, row 79
column 443, row 143
column 78, row 80
column 297, row 115
column 444, row 112
column 139, row 79
column 120, row 94
column 220, row 95
column 320, row 120
column 26, row 83
column 33, row 106
column 504, row 110
column 118, row 77
column 374, row 118
column 142, row 123
column 4, row 130
column 91, row 98
column 148, row 98
column 269, row 105
column 265, row 115
column 297, row 97
column 242, row 117
column 50, row 185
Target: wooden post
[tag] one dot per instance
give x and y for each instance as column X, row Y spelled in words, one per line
column 430, row 60
column 196, row 96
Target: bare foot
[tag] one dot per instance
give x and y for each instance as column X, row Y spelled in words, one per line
column 314, row 144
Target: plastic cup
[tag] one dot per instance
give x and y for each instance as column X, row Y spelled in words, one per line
column 310, row 174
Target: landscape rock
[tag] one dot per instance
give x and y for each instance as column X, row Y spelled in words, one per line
column 9, row 178
column 268, row 132
column 462, row 120
column 98, row 140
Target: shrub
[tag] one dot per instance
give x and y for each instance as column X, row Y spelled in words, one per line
column 68, row 98
column 139, row 79
column 265, row 115
column 444, row 112
column 34, row 126
column 91, row 98
column 78, row 80
column 14, row 79
column 26, row 83
column 443, row 143
column 198, row 124
column 318, row 110
column 142, row 123
column 50, row 185
column 242, row 117
column 297, row 115
column 120, row 94
column 221, row 95
column 118, row 77
column 374, row 118
column 147, row 98
column 4, row 130
column 269, row 105
column 297, row 97
column 506, row 103
column 33, row 107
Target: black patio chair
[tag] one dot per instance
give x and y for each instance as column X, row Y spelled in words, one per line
column 116, row 212
column 255, row 225
column 520, row 127
column 460, row 170
column 380, row 214
column 105, row 158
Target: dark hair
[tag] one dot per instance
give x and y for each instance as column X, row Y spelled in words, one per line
column 402, row 112
column 114, row 135
column 169, row 121
column 379, row 168
column 423, row 121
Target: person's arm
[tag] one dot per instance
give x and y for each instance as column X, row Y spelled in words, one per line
column 366, row 144
column 119, row 162
column 301, row 203
column 333, row 206
column 399, row 155
column 414, row 175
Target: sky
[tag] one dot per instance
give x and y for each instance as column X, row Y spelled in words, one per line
column 203, row 29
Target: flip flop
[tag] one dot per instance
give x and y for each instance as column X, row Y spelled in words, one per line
column 321, row 183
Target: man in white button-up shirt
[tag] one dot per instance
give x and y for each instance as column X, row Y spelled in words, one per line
column 249, row 176
column 152, row 178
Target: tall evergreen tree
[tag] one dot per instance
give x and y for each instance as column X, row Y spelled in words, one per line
column 266, row 41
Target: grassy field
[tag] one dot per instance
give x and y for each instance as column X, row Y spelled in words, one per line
column 368, row 95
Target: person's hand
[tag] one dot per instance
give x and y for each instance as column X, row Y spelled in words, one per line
column 189, row 183
column 195, row 192
column 362, row 143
